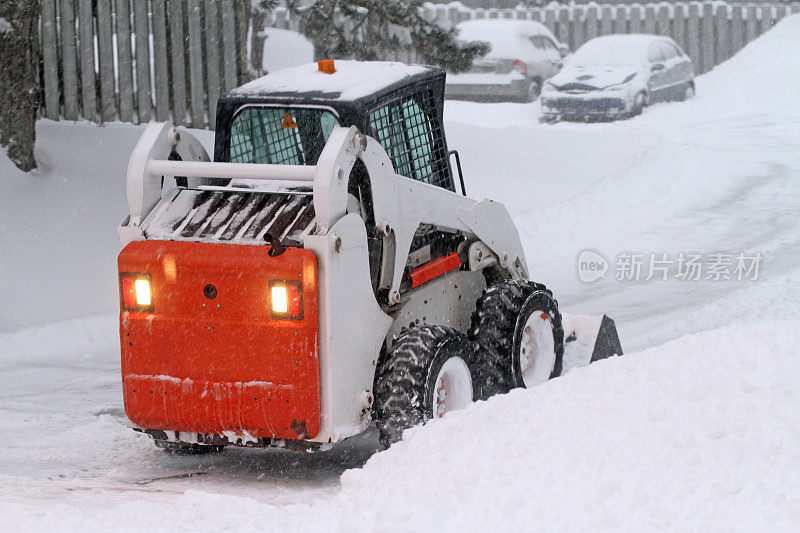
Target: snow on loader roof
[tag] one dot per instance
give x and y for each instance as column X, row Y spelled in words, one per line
column 351, row 81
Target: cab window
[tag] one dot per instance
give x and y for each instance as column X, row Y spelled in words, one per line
column 280, row 135
column 409, row 131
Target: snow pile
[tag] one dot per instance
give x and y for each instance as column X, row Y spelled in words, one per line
column 58, row 242
column 762, row 77
column 701, row 430
column 68, row 340
column 58, row 229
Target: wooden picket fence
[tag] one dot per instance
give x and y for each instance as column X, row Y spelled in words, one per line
column 710, row 32
column 141, row 60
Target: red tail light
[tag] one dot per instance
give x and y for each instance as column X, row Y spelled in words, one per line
column 286, row 299
column 520, row 67
column 136, row 292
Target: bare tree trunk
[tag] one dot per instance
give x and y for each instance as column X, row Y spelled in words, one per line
column 19, row 80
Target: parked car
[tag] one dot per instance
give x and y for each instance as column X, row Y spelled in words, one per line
column 523, row 54
column 618, row 75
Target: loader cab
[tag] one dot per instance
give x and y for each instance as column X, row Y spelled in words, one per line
column 286, row 117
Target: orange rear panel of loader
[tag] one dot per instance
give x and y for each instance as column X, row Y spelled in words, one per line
column 221, row 364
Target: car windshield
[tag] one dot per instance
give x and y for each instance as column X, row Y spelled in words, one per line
column 612, row 52
column 280, row 135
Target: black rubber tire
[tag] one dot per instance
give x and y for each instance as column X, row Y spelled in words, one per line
column 404, row 387
column 638, row 108
column 187, row 448
column 686, row 94
column 532, row 93
column 496, row 331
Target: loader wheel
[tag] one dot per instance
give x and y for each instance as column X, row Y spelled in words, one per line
column 517, row 336
column 187, row 448
column 427, row 373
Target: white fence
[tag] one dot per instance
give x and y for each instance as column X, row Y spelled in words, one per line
column 710, row 32
column 138, row 60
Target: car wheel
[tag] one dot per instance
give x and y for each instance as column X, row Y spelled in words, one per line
column 689, row 92
column 534, row 88
column 638, row 104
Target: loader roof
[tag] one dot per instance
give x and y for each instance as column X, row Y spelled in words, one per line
column 353, row 80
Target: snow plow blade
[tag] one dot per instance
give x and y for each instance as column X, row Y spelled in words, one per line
column 589, row 338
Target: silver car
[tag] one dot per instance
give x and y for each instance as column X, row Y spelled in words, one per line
column 523, row 54
column 618, row 75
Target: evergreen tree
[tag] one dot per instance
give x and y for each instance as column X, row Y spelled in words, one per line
column 377, row 29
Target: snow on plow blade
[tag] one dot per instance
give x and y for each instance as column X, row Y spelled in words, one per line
column 589, row 338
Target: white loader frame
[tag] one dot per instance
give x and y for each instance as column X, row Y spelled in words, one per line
column 353, row 327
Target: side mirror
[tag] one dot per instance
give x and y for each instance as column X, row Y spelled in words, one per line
column 656, row 67
column 563, row 49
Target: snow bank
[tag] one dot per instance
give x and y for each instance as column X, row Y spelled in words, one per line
column 701, row 431
column 763, row 76
column 68, row 340
column 58, row 225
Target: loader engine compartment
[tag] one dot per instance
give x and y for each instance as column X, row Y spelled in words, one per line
column 225, row 215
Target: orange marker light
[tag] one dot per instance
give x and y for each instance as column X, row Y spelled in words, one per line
column 288, row 122
column 326, row 66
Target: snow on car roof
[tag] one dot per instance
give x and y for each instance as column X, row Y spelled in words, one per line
column 508, row 38
column 352, row 79
column 614, row 50
column 488, row 29
column 284, row 49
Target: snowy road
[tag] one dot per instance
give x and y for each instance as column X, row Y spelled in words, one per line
column 715, row 174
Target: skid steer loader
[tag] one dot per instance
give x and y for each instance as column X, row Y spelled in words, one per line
column 324, row 271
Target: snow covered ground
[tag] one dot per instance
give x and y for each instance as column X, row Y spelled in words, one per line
column 683, row 432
